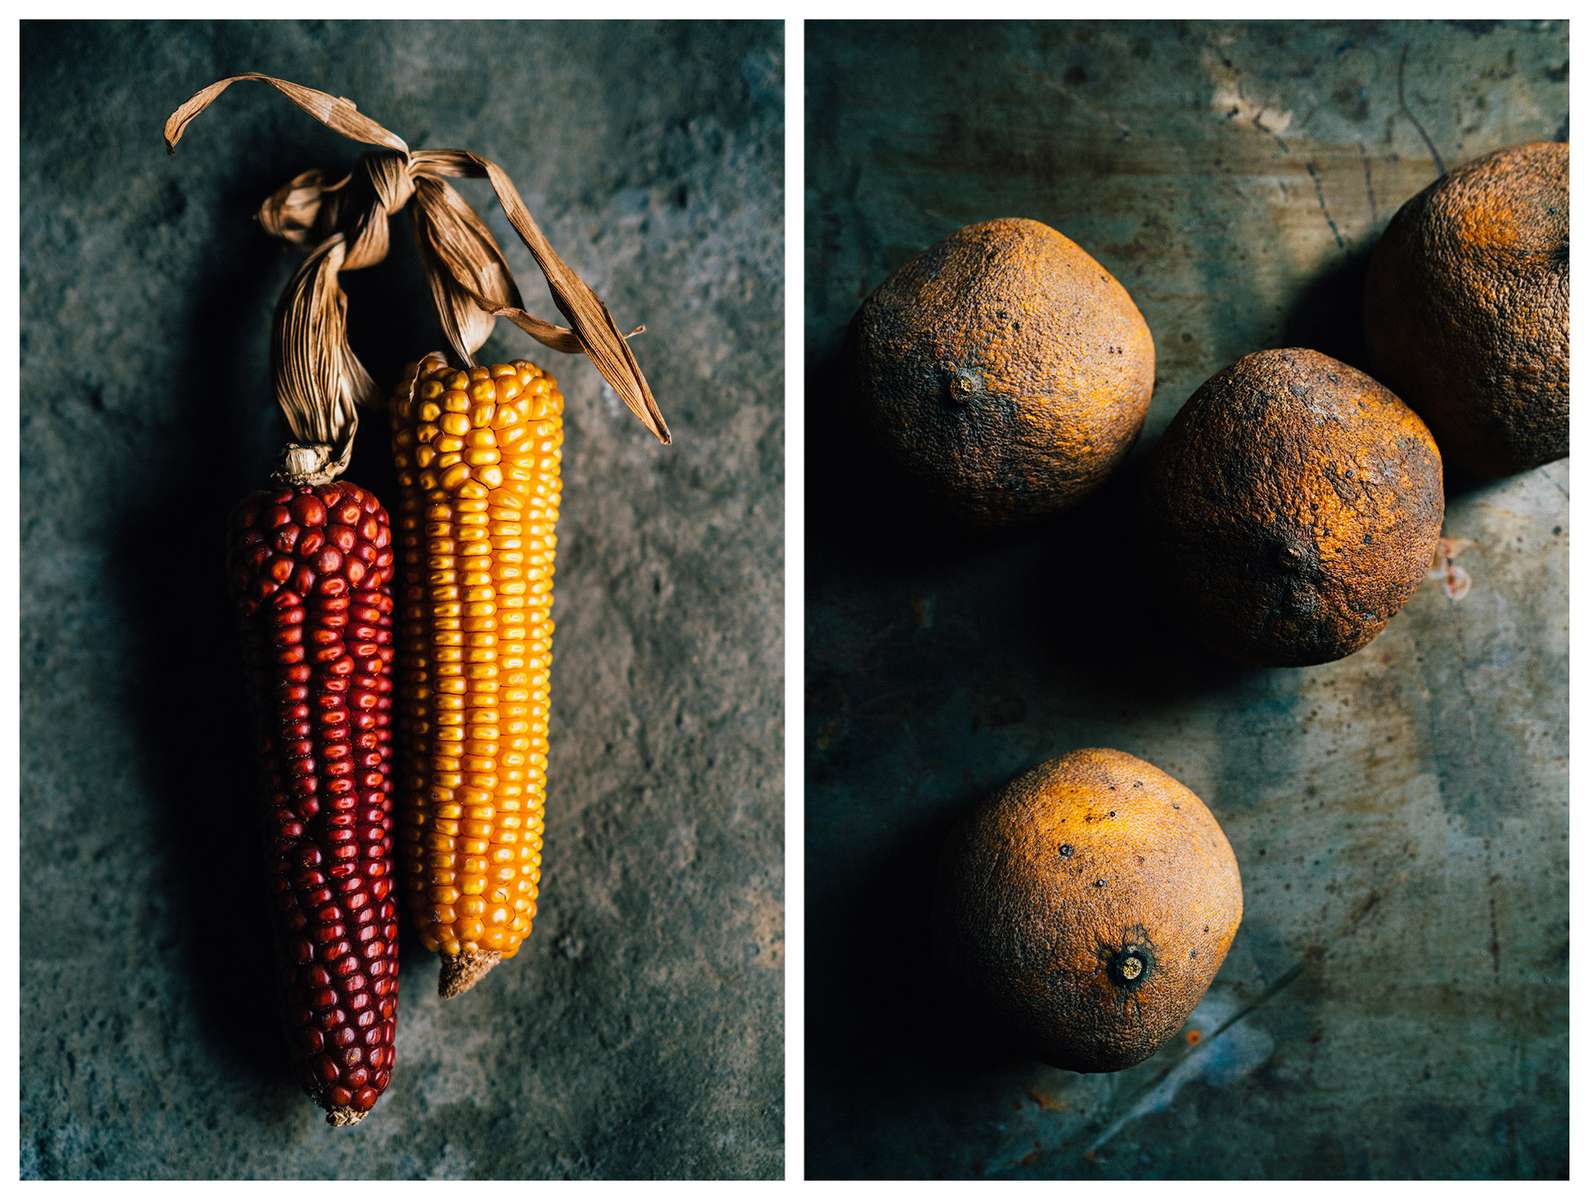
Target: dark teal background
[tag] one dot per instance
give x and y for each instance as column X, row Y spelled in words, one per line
column 1395, row 1003
column 639, row 1033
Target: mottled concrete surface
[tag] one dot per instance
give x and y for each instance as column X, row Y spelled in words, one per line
column 640, row 1032
column 1396, row 1001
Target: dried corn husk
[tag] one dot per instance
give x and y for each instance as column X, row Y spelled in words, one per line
column 319, row 380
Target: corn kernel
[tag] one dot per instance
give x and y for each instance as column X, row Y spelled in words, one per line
column 479, row 454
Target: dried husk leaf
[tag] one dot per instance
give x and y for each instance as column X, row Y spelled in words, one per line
column 456, row 245
column 319, row 380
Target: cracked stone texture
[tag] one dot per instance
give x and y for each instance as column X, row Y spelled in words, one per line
column 1395, row 1003
column 640, row 1031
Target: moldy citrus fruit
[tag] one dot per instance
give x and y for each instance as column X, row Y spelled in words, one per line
column 1466, row 308
column 1295, row 504
column 1091, row 901
column 1005, row 368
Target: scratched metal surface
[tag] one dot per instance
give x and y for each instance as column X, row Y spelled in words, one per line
column 1395, row 1003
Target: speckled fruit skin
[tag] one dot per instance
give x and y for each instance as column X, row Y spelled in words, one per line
column 1294, row 505
column 1005, row 368
column 1465, row 309
column 311, row 572
column 1091, row 901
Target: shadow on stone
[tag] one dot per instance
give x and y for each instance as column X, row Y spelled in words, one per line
column 197, row 724
column 864, row 515
column 884, row 1020
column 1328, row 313
column 197, row 736
column 1102, row 618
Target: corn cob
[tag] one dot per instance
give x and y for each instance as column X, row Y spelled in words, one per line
column 478, row 455
column 311, row 568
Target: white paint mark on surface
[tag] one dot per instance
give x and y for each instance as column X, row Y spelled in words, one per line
column 1237, row 1052
column 1231, row 102
column 1453, row 579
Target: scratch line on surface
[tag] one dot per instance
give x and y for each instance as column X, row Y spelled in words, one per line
column 1556, row 483
column 1201, row 1047
column 1368, row 186
column 1127, row 1107
column 1401, row 95
column 1470, row 709
column 1495, row 933
column 1359, row 914
column 1268, row 994
column 1318, row 190
column 1316, row 953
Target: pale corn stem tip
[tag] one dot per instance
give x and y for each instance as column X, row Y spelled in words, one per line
column 343, row 1115
column 461, row 972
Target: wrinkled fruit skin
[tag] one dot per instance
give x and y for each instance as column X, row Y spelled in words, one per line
column 1466, row 309
column 1295, row 505
column 1091, row 901
column 311, row 572
column 1005, row 368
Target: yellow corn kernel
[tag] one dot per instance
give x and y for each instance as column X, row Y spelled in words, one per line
column 479, row 457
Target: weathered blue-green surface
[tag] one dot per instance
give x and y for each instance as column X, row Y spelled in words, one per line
column 640, row 1031
column 1395, row 1003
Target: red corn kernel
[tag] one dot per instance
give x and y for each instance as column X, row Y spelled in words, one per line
column 311, row 570
column 308, row 509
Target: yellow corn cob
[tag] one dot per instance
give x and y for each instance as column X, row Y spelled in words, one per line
column 478, row 454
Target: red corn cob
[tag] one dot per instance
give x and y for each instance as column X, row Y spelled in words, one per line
column 311, row 570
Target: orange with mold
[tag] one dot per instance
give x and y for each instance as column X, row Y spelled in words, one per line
column 1005, row 368
column 1296, row 504
column 1466, row 308
column 1091, row 901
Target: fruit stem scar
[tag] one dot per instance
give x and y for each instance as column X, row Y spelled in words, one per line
column 1130, row 966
